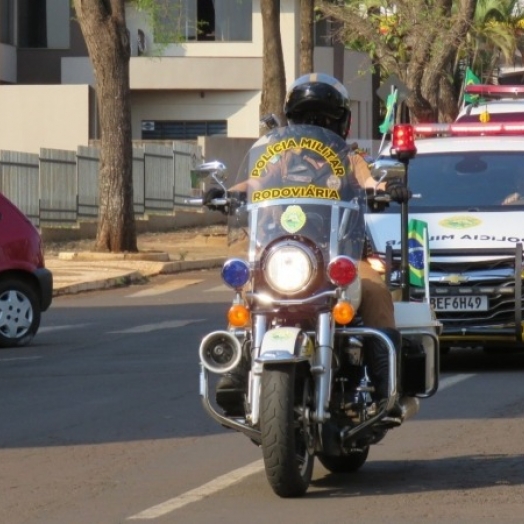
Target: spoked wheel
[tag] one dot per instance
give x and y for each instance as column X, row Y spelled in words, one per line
column 346, row 463
column 287, row 437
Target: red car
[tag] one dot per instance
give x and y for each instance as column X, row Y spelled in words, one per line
column 26, row 286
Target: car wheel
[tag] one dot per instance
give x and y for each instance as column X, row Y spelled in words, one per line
column 19, row 313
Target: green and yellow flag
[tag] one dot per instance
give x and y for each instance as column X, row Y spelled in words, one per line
column 390, row 112
column 418, row 252
column 470, row 79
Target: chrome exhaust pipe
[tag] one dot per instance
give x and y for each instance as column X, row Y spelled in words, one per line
column 220, row 352
column 409, row 406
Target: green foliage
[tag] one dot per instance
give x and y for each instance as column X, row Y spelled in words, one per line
column 166, row 18
column 495, row 32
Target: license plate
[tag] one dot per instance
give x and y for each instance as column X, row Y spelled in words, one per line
column 460, row 303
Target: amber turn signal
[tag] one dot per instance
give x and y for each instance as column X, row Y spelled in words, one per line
column 343, row 312
column 238, row 315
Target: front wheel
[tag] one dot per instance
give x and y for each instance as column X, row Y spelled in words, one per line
column 286, row 435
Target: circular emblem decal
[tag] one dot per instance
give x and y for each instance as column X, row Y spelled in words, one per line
column 333, row 182
column 293, row 219
column 460, row 222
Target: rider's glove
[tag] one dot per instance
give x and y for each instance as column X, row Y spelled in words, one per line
column 211, row 194
column 398, row 191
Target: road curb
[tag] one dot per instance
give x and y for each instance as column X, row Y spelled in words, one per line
column 134, row 275
column 190, row 265
column 98, row 284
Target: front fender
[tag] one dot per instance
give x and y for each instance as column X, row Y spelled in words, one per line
column 285, row 345
column 282, row 345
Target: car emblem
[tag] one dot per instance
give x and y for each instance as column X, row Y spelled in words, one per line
column 454, row 279
column 460, row 222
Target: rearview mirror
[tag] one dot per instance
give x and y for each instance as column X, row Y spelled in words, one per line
column 215, row 168
column 383, row 170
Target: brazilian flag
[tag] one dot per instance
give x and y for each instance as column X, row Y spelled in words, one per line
column 418, row 252
column 471, row 78
column 390, row 112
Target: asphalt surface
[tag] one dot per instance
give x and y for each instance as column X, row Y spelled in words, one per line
column 76, row 268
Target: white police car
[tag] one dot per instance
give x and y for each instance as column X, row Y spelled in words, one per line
column 469, row 189
column 494, row 104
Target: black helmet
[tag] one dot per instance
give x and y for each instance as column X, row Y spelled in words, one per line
column 321, row 100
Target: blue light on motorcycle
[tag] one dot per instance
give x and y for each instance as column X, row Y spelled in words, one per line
column 235, row 273
column 342, row 271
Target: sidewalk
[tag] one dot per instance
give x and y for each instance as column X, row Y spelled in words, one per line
column 79, row 269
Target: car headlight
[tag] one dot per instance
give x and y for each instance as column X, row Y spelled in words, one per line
column 289, row 268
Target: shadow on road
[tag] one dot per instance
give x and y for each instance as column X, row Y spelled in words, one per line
column 415, row 476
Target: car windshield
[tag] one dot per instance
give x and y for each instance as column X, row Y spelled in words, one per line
column 466, row 180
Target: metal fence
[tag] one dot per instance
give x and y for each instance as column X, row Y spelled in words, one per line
column 59, row 188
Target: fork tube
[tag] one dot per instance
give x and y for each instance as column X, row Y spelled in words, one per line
column 322, row 365
column 259, row 330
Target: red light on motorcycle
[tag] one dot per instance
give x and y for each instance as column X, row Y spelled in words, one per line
column 238, row 315
column 343, row 313
column 403, row 142
column 342, row 271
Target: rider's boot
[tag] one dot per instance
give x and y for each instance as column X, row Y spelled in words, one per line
column 376, row 355
column 230, row 391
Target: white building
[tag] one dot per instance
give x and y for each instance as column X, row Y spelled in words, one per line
column 210, row 84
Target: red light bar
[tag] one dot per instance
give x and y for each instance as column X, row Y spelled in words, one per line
column 471, row 129
column 495, row 92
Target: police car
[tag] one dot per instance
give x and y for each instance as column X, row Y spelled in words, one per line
column 468, row 185
column 494, row 104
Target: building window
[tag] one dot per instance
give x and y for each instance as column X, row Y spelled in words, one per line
column 7, row 22
column 182, row 129
column 323, row 32
column 205, row 20
column 44, row 23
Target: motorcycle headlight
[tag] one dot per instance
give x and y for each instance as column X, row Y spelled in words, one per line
column 289, row 268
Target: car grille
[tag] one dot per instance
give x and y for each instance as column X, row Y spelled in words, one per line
column 494, row 279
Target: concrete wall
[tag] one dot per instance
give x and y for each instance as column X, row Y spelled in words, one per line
column 35, row 117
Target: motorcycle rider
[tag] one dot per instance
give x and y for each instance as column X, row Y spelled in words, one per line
column 321, row 100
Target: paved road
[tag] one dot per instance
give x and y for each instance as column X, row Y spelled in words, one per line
column 102, row 424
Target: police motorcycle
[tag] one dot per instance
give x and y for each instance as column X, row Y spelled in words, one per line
column 296, row 230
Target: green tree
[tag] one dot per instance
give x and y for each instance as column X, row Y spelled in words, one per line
column 103, row 26
column 418, row 40
column 495, row 33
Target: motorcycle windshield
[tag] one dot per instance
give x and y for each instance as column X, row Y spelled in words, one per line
column 296, row 182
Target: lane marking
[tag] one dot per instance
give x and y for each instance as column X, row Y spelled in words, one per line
column 222, row 287
column 48, row 329
column 14, row 359
column 164, row 288
column 452, row 381
column 237, row 475
column 168, row 324
column 194, row 495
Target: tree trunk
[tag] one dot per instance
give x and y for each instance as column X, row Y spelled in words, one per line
column 274, row 74
column 307, row 13
column 104, row 28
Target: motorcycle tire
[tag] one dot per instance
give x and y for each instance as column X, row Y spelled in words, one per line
column 345, row 463
column 286, row 439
